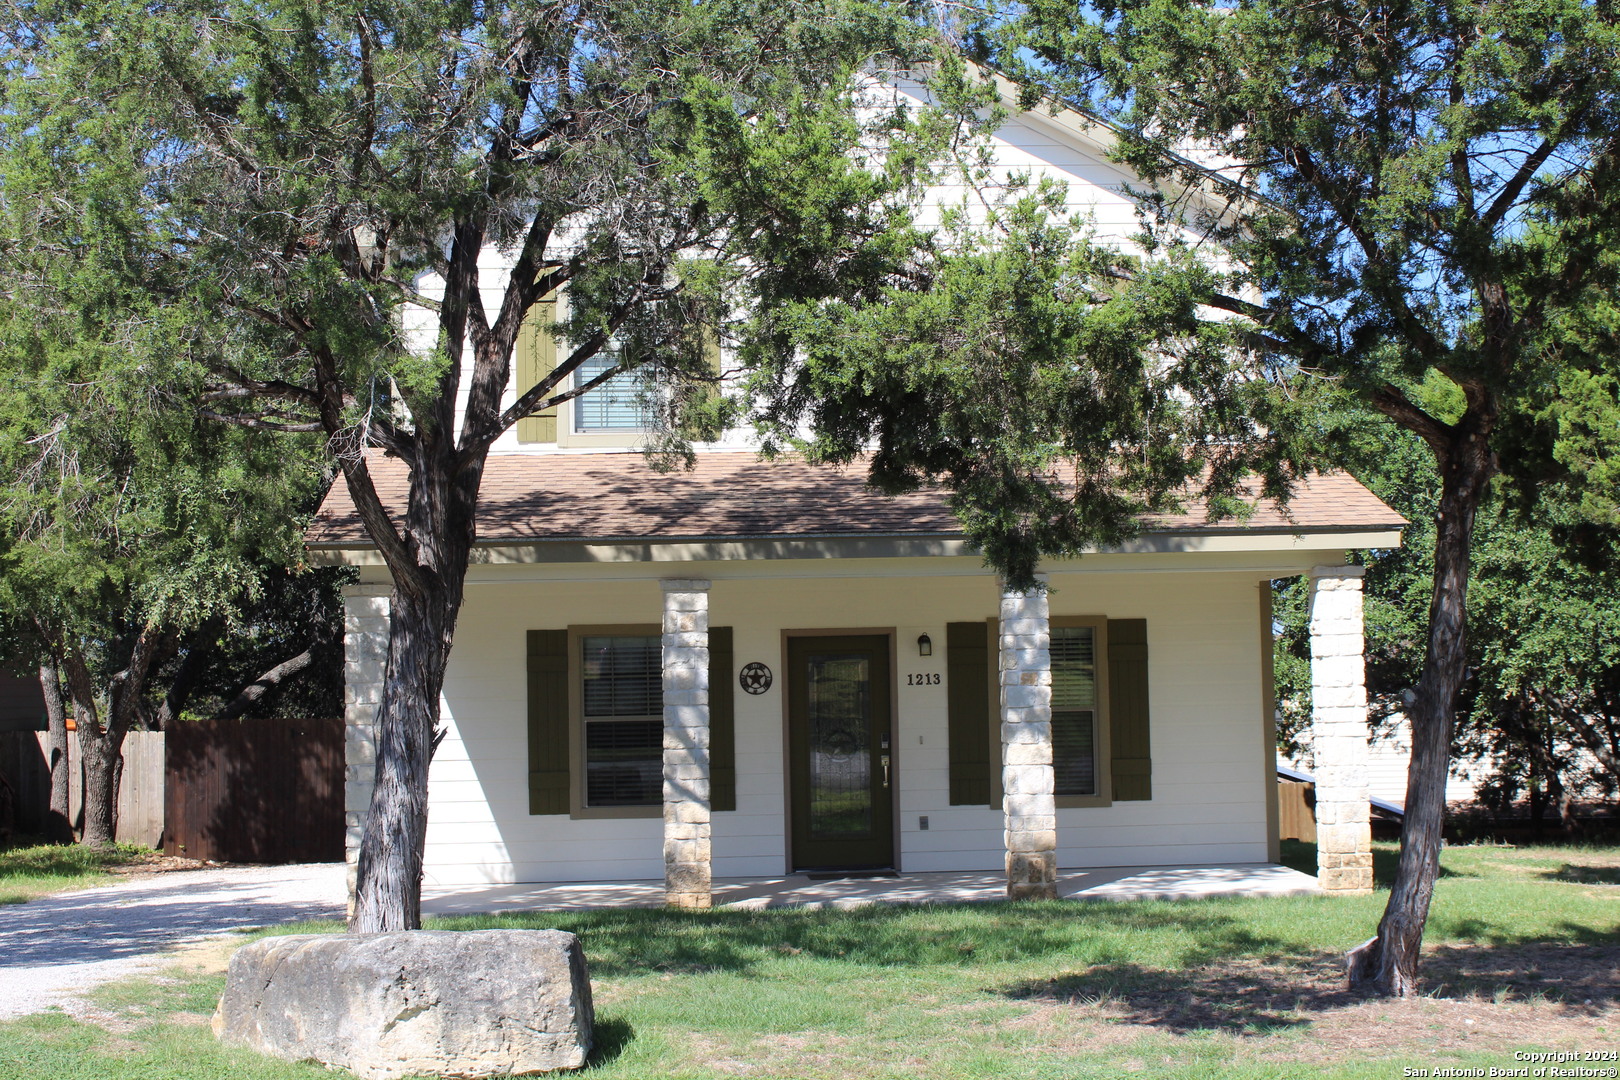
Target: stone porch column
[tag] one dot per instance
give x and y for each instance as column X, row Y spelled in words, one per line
column 687, row 856
column 1027, row 782
column 1339, row 730
column 365, row 665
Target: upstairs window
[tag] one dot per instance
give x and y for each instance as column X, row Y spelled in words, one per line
column 617, row 405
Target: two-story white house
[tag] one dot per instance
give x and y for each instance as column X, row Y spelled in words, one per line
column 755, row 669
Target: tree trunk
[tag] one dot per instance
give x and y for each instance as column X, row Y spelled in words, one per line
column 1538, row 803
column 101, row 730
column 1388, row 963
column 59, row 818
column 388, row 887
column 199, row 648
column 101, row 752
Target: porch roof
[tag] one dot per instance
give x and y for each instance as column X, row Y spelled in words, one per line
column 735, row 495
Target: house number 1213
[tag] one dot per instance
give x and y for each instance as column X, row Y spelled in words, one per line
column 929, row 678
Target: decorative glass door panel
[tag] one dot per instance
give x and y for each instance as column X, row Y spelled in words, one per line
column 841, row 768
column 839, row 688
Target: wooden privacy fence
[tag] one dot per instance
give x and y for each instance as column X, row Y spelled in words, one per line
column 267, row 791
column 24, row 757
column 1296, row 813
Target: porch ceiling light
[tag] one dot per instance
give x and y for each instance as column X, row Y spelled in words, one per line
column 925, row 645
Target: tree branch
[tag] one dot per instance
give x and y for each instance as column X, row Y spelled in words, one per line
column 362, row 490
column 81, row 688
column 185, row 679
column 255, row 691
column 536, row 396
column 1393, row 403
column 1595, row 742
column 257, row 422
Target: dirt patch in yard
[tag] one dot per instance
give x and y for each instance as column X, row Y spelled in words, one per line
column 1476, row 999
column 151, row 864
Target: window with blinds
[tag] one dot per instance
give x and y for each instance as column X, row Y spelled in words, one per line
column 622, row 698
column 1074, row 709
column 617, row 405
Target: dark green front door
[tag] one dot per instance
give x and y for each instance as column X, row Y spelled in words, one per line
column 839, row 756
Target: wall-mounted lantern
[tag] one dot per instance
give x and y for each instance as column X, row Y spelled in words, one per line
column 925, row 645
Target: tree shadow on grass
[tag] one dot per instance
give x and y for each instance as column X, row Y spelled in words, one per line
column 1497, row 935
column 1575, row 974
column 1584, row 874
column 1250, row 997
column 633, row 942
column 1241, row 998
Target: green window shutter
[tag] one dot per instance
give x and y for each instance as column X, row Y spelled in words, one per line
column 968, row 712
column 711, row 349
column 548, row 722
column 535, row 356
column 722, row 722
column 1128, row 709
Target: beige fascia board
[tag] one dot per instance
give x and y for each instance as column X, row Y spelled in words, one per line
column 877, row 547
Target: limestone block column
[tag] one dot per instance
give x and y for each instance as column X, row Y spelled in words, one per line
column 1027, row 782
column 365, row 666
column 687, row 856
column 1339, row 730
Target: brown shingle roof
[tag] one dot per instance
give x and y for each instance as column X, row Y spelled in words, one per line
column 735, row 495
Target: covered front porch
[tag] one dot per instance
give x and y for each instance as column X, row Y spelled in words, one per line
column 1029, row 823
column 1158, row 753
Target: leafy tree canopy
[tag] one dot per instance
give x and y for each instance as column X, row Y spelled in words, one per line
column 1061, row 389
column 320, row 184
column 1542, row 696
column 127, row 522
column 1417, row 190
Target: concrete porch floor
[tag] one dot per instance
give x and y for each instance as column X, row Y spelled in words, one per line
column 797, row 890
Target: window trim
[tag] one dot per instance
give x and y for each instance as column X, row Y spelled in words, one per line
column 568, row 433
column 1104, row 741
column 576, row 721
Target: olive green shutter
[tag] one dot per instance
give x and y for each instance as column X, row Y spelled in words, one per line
column 536, row 356
column 548, row 722
column 722, row 722
column 967, row 706
column 1128, row 709
column 711, row 349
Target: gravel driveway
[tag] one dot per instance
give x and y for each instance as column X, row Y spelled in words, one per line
column 55, row 948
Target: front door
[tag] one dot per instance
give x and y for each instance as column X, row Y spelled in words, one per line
column 840, row 774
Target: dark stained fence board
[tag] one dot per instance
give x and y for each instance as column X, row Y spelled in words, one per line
column 23, row 764
column 265, row 791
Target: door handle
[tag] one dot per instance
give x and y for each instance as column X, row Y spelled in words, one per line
column 884, row 760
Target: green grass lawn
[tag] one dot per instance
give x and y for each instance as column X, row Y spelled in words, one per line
column 27, row 872
column 1524, row 953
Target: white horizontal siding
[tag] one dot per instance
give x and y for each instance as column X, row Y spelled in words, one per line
column 1208, row 776
column 1025, row 145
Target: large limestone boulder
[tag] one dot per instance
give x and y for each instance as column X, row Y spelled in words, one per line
column 420, row 1003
